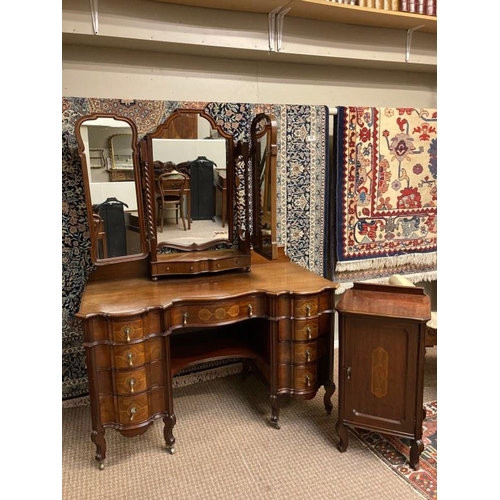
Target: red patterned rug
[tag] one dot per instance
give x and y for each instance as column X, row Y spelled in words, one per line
column 386, row 189
column 395, row 452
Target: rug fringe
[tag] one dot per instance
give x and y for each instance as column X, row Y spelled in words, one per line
column 382, row 262
column 414, row 278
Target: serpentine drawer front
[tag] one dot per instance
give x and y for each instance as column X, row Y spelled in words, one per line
column 222, row 311
column 139, row 333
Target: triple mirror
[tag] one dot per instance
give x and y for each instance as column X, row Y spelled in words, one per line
column 177, row 193
column 107, row 145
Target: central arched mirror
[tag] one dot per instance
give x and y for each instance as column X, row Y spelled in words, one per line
column 107, row 145
column 191, row 182
column 263, row 153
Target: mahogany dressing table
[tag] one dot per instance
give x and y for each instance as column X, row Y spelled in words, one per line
column 139, row 333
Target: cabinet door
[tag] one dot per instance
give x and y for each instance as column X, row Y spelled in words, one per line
column 379, row 370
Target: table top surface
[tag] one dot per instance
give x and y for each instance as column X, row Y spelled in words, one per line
column 135, row 295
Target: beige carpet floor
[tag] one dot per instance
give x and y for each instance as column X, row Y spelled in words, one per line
column 227, row 450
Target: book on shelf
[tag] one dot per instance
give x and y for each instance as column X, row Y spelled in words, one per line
column 395, row 5
column 403, row 5
column 430, row 7
column 421, row 6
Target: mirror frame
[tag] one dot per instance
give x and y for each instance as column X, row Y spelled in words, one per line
column 213, row 256
column 264, row 124
column 88, row 199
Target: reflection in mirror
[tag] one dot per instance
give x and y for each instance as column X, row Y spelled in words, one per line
column 203, row 162
column 107, row 149
column 264, row 150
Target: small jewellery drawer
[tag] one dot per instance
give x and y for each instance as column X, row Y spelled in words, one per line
column 218, row 312
column 127, row 330
column 299, row 378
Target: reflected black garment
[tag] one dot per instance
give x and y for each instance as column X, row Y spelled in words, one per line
column 201, row 172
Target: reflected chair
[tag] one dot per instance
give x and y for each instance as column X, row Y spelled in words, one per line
column 170, row 196
column 100, row 236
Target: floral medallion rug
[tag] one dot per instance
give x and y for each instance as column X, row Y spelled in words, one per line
column 395, row 452
column 386, row 192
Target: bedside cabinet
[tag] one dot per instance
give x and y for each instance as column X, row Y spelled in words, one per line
column 382, row 332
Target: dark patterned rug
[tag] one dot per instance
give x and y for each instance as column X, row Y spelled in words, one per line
column 395, row 452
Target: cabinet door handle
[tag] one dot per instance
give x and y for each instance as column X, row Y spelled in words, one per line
column 250, row 310
column 348, row 372
column 308, row 311
column 184, row 318
column 308, row 381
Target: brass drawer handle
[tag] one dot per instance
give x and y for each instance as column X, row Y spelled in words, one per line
column 308, row 356
column 129, row 357
column 126, row 331
column 308, row 381
column 308, row 311
column 131, row 383
column 184, row 318
column 309, row 333
column 250, row 310
column 132, row 412
column 348, row 372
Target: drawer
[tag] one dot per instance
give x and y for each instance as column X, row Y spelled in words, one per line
column 300, row 353
column 297, row 377
column 127, row 330
column 219, row 312
column 100, row 329
column 306, row 306
column 127, row 356
column 132, row 410
column 304, row 329
column 130, row 382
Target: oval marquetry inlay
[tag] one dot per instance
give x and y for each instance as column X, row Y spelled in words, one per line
column 219, row 314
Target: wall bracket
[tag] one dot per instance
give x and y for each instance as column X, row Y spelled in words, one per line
column 409, row 34
column 275, row 20
column 95, row 16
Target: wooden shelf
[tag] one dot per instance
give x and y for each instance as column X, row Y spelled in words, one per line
column 323, row 10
